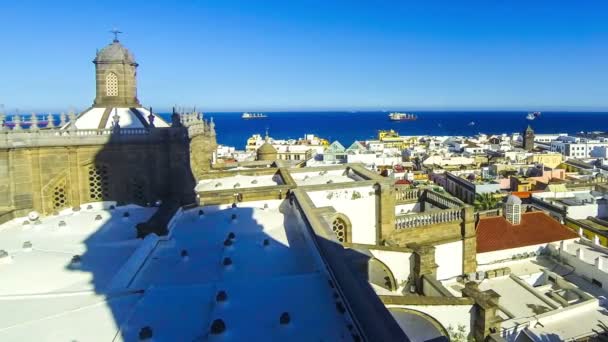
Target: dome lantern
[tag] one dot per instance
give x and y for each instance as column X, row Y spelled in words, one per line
column 115, row 76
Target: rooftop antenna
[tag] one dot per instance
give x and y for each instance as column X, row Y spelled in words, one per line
column 267, row 138
column 115, row 31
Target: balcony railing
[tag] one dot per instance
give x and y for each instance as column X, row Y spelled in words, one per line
column 425, row 219
column 441, row 200
column 405, row 194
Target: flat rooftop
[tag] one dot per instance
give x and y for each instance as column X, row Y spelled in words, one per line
column 237, row 182
column 589, row 254
column 324, row 177
column 568, row 326
column 530, row 303
column 516, row 298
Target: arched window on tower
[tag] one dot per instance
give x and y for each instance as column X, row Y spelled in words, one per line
column 341, row 227
column 111, row 84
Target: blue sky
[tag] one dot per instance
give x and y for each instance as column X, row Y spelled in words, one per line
column 295, row 55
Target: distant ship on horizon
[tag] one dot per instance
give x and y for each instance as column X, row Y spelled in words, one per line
column 532, row 115
column 253, row 116
column 402, row 117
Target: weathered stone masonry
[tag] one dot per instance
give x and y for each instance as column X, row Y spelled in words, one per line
column 52, row 169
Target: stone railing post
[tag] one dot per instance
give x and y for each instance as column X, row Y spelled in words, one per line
column 72, row 118
column 17, row 122
column 49, row 121
column 485, row 319
column 62, row 119
column 211, row 126
column 34, row 122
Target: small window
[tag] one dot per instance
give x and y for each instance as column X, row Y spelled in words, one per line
column 112, row 84
column 339, row 227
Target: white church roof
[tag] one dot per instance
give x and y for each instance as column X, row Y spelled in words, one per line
column 103, row 117
column 276, row 288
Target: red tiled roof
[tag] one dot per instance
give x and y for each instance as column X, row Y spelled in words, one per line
column 522, row 194
column 403, row 181
column 496, row 233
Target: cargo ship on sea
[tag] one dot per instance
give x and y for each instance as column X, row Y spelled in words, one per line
column 532, row 115
column 402, row 116
column 253, row 116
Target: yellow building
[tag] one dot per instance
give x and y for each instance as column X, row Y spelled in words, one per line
column 521, row 184
column 550, row 160
column 391, row 138
column 590, row 229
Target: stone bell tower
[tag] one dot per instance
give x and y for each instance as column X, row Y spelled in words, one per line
column 528, row 139
column 115, row 76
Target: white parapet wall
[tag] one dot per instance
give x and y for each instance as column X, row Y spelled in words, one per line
column 494, row 258
column 449, row 316
column 448, row 257
column 589, row 262
column 358, row 204
column 397, row 262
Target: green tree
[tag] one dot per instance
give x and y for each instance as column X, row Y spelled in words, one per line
column 457, row 334
column 485, row 201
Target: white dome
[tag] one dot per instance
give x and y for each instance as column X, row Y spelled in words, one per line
column 103, row 117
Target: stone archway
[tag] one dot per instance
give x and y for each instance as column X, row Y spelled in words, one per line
column 380, row 274
column 423, row 326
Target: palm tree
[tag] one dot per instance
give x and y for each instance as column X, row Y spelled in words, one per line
column 485, row 201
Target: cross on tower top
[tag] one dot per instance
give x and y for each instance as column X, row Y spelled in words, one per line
column 115, row 31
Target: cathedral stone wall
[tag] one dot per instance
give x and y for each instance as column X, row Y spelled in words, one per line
column 69, row 169
column 201, row 148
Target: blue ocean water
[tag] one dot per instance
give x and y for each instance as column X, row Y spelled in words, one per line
column 347, row 127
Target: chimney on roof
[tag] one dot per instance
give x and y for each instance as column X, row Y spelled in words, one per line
column 512, row 211
column 599, row 263
column 580, row 254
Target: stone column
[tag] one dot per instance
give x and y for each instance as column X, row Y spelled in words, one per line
column 5, row 179
column 36, row 180
column 202, row 147
column 424, row 264
column 469, row 241
column 75, row 186
column 385, row 211
column 21, row 175
column 485, row 320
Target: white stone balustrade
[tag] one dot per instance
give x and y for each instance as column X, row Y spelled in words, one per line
column 403, row 194
column 425, row 219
